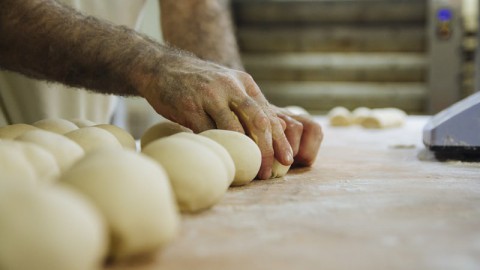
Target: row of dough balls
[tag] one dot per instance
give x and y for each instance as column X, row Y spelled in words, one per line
column 108, row 200
column 367, row 118
column 71, row 197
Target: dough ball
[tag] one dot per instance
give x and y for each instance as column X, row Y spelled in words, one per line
column 198, row 176
column 124, row 138
column 80, row 122
column 279, row 170
column 57, row 125
column 215, row 147
column 65, row 151
column 93, row 138
column 161, row 130
column 385, row 118
column 297, row 110
column 10, row 132
column 134, row 195
column 49, row 228
column 244, row 151
column 340, row 116
column 43, row 163
column 14, row 165
column 360, row 114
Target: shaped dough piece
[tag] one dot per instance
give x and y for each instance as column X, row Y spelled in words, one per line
column 93, row 138
column 340, row 116
column 215, row 147
column 279, row 170
column 134, row 195
column 360, row 114
column 198, row 176
column 124, row 138
column 43, row 163
column 297, row 110
column 11, row 132
column 385, row 118
column 49, row 228
column 57, row 125
column 80, row 122
column 14, row 166
column 161, row 130
column 244, row 151
column 65, row 151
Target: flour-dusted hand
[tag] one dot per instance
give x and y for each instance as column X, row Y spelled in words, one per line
column 202, row 95
column 196, row 93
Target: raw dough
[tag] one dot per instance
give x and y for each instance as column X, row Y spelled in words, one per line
column 198, row 176
column 360, row 114
column 93, row 138
column 41, row 160
column 65, row 151
column 340, row 116
column 161, row 130
column 244, row 151
column 49, row 228
column 217, row 148
column 279, row 170
column 124, row 138
column 385, row 118
column 133, row 193
column 57, row 125
column 79, row 122
column 10, row 132
column 14, row 166
column 297, row 110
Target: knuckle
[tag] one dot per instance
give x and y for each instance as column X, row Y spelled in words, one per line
column 295, row 126
column 267, row 153
column 251, row 86
column 227, row 80
column 261, row 120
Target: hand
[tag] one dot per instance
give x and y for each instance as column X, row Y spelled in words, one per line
column 303, row 134
column 202, row 95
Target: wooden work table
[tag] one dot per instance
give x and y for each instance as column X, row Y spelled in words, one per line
column 375, row 199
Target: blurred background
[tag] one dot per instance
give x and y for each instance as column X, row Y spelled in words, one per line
column 416, row 55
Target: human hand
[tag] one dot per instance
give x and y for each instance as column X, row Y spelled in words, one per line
column 202, row 95
column 304, row 135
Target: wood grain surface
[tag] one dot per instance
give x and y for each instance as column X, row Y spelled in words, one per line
column 374, row 199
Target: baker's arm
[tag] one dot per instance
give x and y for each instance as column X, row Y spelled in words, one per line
column 205, row 28
column 47, row 40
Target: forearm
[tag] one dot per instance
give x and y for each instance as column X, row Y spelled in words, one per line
column 46, row 40
column 203, row 27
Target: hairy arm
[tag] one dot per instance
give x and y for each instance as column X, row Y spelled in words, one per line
column 203, row 27
column 46, row 40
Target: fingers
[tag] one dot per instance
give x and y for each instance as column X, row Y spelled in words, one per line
column 257, row 126
column 311, row 139
column 293, row 131
column 282, row 149
column 199, row 123
column 224, row 118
